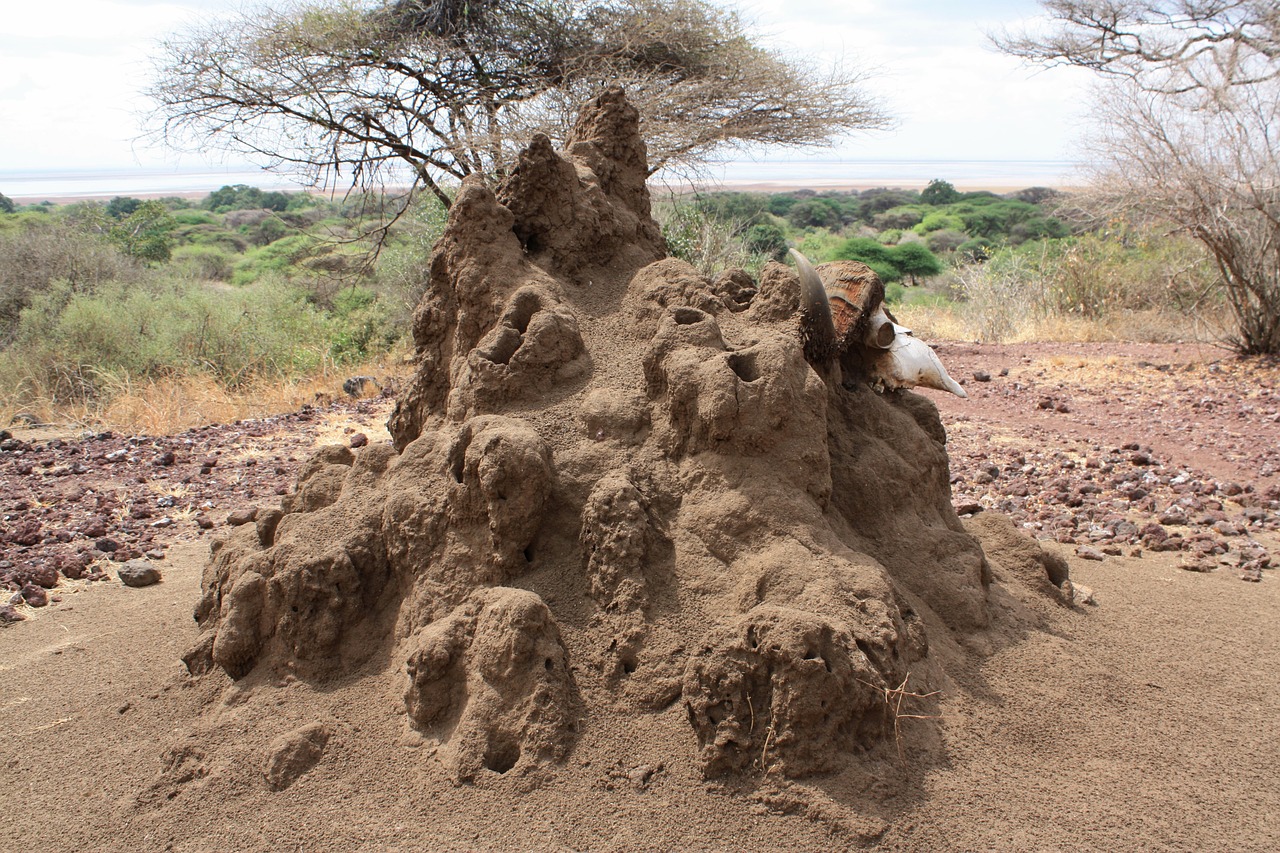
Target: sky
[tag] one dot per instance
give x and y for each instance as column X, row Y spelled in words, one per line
column 72, row 72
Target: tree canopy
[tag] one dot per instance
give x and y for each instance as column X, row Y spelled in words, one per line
column 423, row 92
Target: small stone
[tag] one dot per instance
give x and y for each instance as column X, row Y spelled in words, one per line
column 242, row 516
column 1082, row 595
column 34, row 595
column 138, row 573
column 204, row 522
column 968, row 508
column 165, row 459
column 1086, row 552
column 107, row 545
column 359, row 440
column 26, row 532
column 981, row 376
column 1062, row 409
column 8, row 615
column 41, row 575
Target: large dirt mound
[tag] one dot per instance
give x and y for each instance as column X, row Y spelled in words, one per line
column 614, row 485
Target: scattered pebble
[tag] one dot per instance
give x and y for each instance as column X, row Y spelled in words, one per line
column 138, row 573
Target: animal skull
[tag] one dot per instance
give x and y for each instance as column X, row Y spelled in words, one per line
column 834, row 323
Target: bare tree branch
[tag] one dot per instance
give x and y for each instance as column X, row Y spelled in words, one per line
column 424, row 92
column 1188, row 114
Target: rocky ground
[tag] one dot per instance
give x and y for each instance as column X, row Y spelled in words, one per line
column 1109, row 449
column 1121, row 449
column 78, row 507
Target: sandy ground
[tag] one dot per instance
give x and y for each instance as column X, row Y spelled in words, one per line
column 1144, row 723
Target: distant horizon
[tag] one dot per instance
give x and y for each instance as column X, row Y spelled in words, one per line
column 62, row 185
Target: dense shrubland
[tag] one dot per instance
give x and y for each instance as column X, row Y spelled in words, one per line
column 242, row 289
column 972, row 264
column 246, row 289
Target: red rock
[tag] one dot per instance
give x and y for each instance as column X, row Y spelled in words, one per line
column 34, row 595
column 242, row 516
column 26, row 532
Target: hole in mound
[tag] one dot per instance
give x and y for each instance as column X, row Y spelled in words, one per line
column 688, row 316
column 744, row 365
column 548, row 664
column 458, row 455
column 751, row 636
column 526, row 305
column 528, row 554
column 629, row 662
column 501, row 756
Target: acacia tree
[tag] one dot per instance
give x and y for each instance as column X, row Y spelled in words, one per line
column 1188, row 130
column 425, row 92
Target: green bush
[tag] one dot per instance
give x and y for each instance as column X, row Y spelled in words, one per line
column 939, row 192
column 71, row 342
column 204, row 262
column 709, row 244
column 194, row 217
column 946, row 240
column 361, row 325
column 904, row 216
column 404, row 264
column 814, row 213
column 872, row 253
column 820, row 245
column 32, row 258
column 915, row 261
column 939, row 221
column 279, row 258
column 891, row 263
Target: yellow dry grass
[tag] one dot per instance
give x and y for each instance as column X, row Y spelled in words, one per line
column 171, row 405
column 958, row 323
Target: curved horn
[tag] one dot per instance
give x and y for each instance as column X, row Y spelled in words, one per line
column 820, row 327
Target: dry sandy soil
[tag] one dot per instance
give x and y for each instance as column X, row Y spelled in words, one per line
column 1144, row 722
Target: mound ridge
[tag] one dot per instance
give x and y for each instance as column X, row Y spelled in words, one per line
column 614, row 486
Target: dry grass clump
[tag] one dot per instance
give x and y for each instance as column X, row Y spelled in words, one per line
column 172, row 404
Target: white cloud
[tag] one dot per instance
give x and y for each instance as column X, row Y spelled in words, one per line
column 71, row 74
column 954, row 96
